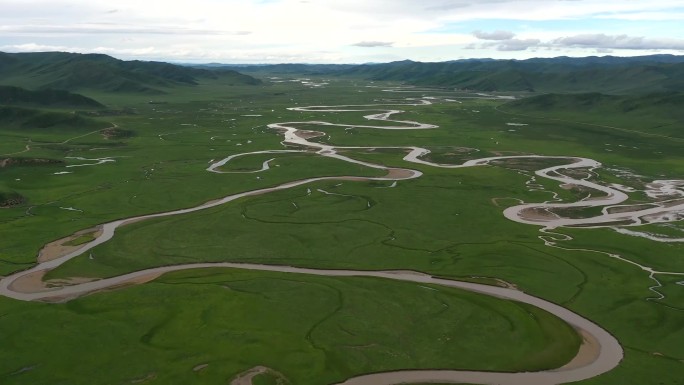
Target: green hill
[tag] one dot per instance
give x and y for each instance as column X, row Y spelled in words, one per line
column 26, row 119
column 70, row 71
column 292, row 69
column 16, row 96
column 666, row 103
column 659, row 113
column 658, row 73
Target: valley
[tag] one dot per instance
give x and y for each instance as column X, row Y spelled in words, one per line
column 493, row 238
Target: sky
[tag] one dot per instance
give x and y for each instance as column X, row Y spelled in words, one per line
column 342, row 31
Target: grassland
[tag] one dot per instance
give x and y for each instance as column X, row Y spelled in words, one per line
column 571, row 75
column 652, row 114
column 98, row 72
column 446, row 223
column 46, row 98
column 317, row 330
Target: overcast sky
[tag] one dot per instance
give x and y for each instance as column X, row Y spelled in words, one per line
column 342, row 31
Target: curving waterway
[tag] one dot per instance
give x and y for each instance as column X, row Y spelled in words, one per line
column 606, row 354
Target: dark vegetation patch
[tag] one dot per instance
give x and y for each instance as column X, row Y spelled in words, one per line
column 119, row 112
column 11, row 199
column 116, row 133
column 20, row 161
column 17, row 96
column 529, row 164
column 27, row 119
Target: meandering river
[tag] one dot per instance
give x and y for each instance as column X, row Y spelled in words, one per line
column 607, row 354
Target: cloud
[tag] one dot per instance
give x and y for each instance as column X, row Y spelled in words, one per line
column 33, row 47
column 600, row 40
column 496, row 35
column 517, row 44
column 675, row 14
column 461, row 10
column 109, row 28
column 448, row 6
column 372, row 44
column 600, row 43
column 189, row 54
column 504, row 41
column 270, row 30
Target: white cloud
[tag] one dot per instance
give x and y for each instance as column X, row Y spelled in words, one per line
column 600, row 40
column 456, row 10
column 637, row 16
column 321, row 30
column 104, row 28
column 517, row 44
column 604, row 50
column 496, row 35
column 372, row 44
column 33, row 47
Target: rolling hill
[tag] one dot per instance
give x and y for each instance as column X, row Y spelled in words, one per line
column 27, row 119
column 606, row 74
column 283, row 69
column 657, row 73
column 74, row 72
column 16, row 96
column 659, row 113
column 666, row 103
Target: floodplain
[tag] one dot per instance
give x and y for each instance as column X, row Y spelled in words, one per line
column 348, row 210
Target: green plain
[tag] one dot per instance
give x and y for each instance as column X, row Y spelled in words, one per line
column 320, row 330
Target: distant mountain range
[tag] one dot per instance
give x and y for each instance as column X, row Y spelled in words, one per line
column 592, row 74
column 78, row 72
column 283, row 69
column 607, row 74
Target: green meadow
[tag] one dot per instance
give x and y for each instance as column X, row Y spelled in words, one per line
column 316, row 330
column 311, row 329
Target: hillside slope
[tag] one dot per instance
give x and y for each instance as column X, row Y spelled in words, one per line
column 27, row 119
column 16, row 96
column 283, row 69
column 73, row 72
column 656, row 113
column 657, row 73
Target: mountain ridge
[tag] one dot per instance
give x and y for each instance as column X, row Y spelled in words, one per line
column 76, row 72
column 644, row 74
